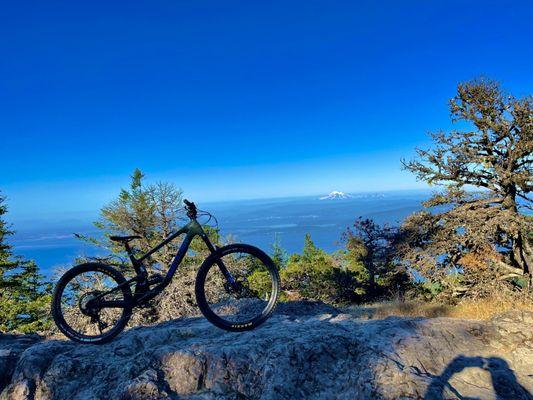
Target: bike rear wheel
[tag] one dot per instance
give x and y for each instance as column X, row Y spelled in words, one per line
column 78, row 305
column 246, row 302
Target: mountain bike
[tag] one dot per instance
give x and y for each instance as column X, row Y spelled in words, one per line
column 237, row 287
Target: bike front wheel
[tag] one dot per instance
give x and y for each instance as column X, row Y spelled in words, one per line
column 237, row 287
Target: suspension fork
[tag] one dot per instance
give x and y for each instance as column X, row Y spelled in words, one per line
column 220, row 263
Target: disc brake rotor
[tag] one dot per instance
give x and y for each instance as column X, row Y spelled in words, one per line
column 85, row 304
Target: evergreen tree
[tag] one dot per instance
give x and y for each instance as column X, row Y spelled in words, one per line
column 6, row 263
column 24, row 295
column 279, row 254
column 370, row 246
column 150, row 211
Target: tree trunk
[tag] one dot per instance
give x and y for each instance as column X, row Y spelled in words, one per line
column 371, row 273
column 372, row 283
column 521, row 252
column 509, row 199
column 521, row 256
column 527, row 254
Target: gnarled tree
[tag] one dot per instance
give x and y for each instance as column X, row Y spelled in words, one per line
column 477, row 225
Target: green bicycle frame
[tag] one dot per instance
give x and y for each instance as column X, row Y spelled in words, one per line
column 191, row 230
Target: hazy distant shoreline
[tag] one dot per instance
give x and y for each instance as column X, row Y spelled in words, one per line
column 50, row 240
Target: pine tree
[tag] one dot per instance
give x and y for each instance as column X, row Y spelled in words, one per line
column 279, row 254
column 24, row 295
column 150, row 211
column 370, row 245
column 6, row 264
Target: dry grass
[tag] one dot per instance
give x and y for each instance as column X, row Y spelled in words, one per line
column 479, row 309
column 488, row 307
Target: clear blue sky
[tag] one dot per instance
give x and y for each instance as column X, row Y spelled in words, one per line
column 237, row 99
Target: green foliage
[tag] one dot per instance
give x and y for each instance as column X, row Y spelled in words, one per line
column 25, row 314
column 316, row 274
column 150, row 211
column 370, row 255
column 260, row 282
column 520, row 282
column 6, row 264
column 353, row 256
column 434, row 288
column 24, row 295
column 363, row 270
column 279, row 254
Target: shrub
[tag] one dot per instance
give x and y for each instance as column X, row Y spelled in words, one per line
column 317, row 275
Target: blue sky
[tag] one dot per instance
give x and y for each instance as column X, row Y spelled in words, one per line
column 235, row 100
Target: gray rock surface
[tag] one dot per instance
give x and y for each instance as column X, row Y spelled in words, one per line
column 305, row 351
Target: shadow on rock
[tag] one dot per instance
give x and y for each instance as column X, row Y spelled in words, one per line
column 504, row 381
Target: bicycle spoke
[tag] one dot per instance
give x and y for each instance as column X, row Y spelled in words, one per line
column 91, row 303
column 241, row 302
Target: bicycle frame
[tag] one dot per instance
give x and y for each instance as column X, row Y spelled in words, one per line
column 191, row 230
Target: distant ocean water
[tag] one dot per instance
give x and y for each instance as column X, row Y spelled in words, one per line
column 51, row 243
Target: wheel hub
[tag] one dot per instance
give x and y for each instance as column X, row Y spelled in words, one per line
column 86, row 304
column 239, row 290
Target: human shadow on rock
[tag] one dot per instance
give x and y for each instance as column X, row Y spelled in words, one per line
column 504, row 381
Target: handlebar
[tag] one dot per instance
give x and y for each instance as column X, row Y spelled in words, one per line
column 192, row 211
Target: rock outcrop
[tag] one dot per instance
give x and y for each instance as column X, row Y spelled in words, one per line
column 305, row 351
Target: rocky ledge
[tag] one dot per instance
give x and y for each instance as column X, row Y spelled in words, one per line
column 305, row 351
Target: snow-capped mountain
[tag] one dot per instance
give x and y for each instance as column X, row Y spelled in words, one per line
column 335, row 195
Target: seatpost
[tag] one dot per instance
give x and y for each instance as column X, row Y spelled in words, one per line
column 139, row 267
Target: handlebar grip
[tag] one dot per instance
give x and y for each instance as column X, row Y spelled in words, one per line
column 191, row 209
column 189, row 205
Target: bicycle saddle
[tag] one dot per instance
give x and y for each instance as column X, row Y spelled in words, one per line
column 124, row 239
